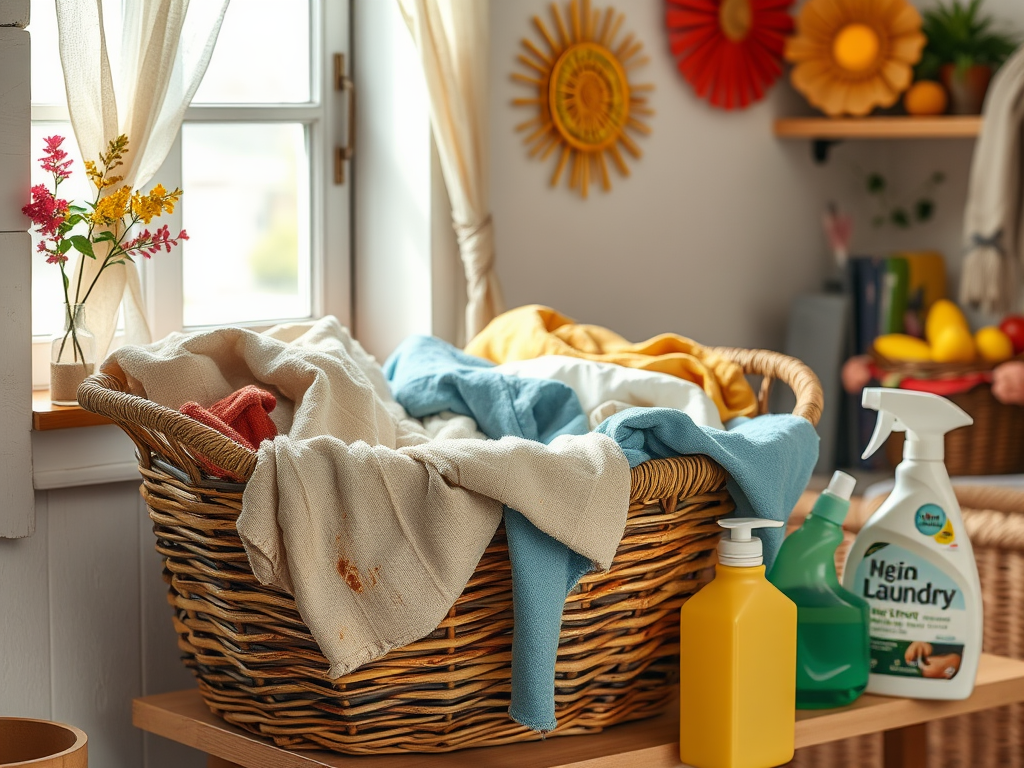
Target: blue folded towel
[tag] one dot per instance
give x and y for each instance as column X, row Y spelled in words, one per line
column 769, row 458
column 428, row 376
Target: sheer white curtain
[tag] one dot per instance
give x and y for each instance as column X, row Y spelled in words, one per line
column 452, row 37
column 165, row 47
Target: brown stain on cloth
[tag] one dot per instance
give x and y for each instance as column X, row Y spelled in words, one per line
column 350, row 574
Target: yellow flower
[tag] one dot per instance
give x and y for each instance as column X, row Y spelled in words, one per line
column 145, row 207
column 111, row 208
column 158, row 201
column 854, row 55
column 94, row 175
column 170, row 199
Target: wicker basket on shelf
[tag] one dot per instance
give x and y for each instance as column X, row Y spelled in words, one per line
column 260, row 669
column 993, row 445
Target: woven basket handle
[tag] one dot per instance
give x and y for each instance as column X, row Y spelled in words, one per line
column 180, row 438
column 774, row 366
column 161, row 429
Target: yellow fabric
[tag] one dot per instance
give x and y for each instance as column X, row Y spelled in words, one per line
column 534, row 331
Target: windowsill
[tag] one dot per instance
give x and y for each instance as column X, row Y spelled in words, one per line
column 63, row 457
column 46, row 415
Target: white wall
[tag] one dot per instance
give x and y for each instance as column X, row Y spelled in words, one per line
column 717, row 229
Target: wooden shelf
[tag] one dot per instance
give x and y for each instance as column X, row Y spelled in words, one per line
column 46, row 415
column 183, row 717
column 896, row 127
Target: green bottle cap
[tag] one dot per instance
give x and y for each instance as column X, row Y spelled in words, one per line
column 834, row 502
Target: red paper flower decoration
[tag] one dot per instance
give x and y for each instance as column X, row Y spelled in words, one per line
column 729, row 50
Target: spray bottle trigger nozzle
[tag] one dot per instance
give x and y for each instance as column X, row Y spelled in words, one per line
column 884, row 426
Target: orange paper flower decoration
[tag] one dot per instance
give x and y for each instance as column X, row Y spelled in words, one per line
column 854, row 55
column 729, row 50
column 584, row 99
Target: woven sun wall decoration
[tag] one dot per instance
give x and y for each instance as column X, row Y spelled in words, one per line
column 729, row 50
column 854, row 55
column 584, row 99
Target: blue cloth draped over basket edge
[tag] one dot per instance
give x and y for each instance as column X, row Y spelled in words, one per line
column 768, row 458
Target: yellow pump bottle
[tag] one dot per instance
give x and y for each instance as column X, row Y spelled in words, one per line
column 737, row 650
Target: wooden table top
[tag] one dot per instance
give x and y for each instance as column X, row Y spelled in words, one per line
column 183, row 717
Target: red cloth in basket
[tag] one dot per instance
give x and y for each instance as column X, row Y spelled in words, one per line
column 244, row 416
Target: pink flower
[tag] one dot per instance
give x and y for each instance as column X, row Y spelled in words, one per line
column 55, row 160
column 147, row 243
column 52, row 257
column 46, row 210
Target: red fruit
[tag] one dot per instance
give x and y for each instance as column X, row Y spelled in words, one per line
column 1013, row 326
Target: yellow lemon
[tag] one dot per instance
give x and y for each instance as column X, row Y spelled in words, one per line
column 953, row 345
column 925, row 97
column 993, row 345
column 943, row 313
column 856, row 47
column 900, row 346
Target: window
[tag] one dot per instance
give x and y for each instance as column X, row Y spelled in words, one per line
column 269, row 228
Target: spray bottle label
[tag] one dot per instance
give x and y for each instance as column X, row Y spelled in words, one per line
column 918, row 614
column 931, row 521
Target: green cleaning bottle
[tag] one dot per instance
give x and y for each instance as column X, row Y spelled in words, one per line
column 833, row 657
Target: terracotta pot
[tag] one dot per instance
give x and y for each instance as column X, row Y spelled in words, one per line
column 41, row 744
column 966, row 91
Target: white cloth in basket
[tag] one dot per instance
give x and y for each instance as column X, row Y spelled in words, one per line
column 372, row 520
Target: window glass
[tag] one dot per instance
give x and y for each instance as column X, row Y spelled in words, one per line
column 47, row 74
column 246, row 210
column 272, row 38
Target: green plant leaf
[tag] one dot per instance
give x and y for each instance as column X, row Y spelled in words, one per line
column 924, row 209
column 104, row 236
column 64, row 246
column 83, row 246
column 958, row 34
column 64, row 275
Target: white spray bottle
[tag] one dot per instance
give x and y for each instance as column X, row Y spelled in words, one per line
column 913, row 562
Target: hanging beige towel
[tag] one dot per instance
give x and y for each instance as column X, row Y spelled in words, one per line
column 994, row 216
column 373, row 526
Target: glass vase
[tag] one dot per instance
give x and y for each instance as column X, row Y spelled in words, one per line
column 72, row 356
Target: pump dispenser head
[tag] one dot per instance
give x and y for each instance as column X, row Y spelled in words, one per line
column 739, row 549
column 925, row 417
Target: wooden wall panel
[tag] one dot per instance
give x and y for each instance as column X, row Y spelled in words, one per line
column 95, row 617
column 14, row 13
column 17, row 506
column 15, row 111
column 25, row 623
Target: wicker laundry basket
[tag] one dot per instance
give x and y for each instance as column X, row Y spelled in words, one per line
column 259, row 668
column 994, row 518
column 992, row 445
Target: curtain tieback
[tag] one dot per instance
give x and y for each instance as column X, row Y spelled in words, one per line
column 994, row 241
column 476, row 246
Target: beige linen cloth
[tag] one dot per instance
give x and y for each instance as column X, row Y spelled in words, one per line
column 372, row 520
column 994, row 213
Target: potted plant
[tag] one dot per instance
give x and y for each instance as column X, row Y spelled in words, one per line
column 963, row 50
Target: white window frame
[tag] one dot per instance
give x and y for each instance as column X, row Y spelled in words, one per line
column 330, row 211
